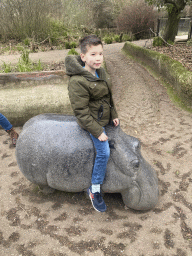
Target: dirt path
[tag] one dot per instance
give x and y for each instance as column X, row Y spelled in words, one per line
column 61, row 224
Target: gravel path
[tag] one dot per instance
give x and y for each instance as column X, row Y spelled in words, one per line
column 64, row 224
column 164, row 130
column 56, row 55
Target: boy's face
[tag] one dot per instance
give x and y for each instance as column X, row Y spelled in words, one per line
column 93, row 58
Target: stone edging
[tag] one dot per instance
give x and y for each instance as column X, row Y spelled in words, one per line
column 171, row 70
column 27, row 77
column 24, row 95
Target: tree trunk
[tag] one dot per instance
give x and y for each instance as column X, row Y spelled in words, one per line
column 171, row 27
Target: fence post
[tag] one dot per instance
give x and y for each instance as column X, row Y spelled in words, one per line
column 158, row 26
column 190, row 30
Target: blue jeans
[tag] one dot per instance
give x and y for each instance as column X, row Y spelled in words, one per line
column 5, row 123
column 102, row 156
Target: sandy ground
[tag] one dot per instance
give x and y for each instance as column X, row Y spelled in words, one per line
column 64, row 224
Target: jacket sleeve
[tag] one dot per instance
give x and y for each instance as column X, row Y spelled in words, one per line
column 79, row 98
column 113, row 109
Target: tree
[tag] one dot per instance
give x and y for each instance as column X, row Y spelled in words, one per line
column 174, row 9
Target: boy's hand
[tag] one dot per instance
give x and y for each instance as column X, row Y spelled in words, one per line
column 103, row 137
column 116, row 121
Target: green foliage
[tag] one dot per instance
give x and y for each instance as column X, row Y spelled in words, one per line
column 72, row 52
column 117, row 38
column 19, row 47
column 127, row 37
column 189, row 42
column 25, row 57
column 6, row 68
column 26, row 41
column 170, row 42
column 23, row 67
column 158, row 41
column 38, row 66
column 24, row 64
column 57, row 28
column 73, row 45
column 57, row 31
column 70, row 45
column 67, row 45
column 108, row 40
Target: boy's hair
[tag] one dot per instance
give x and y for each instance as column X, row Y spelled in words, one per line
column 88, row 41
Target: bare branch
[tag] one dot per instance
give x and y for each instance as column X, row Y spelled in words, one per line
column 161, row 38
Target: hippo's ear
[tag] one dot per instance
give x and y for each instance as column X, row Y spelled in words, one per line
column 136, row 145
column 111, row 143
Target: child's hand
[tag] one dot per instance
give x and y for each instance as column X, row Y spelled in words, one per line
column 116, row 121
column 103, row 137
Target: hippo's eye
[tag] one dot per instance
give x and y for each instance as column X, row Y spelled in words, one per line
column 135, row 163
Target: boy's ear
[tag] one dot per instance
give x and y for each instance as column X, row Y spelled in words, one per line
column 82, row 57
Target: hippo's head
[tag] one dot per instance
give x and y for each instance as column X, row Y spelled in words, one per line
column 125, row 151
column 135, row 178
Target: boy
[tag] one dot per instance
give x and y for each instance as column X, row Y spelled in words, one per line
column 7, row 126
column 91, row 100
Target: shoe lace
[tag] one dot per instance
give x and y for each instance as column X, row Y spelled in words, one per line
column 98, row 196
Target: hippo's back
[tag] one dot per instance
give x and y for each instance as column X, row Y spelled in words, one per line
column 53, row 150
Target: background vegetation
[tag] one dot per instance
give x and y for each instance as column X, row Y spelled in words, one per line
column 60, row 23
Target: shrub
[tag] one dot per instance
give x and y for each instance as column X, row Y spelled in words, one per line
column 70, row 45
column 19, row 47
column 57, row 31
column 73, row 45
column 25, row 56
column 26, row 65
column 6, row 68
column 136, row 17
column 158, row 41
column 170, row 42
column 57, row 28
column 127, row 37
column 20, row 19
column 26, row 41
column 189, row 42
column 38, row 66
column 108, row 40
column 72, row 52
column 117, row 38
column 67, row 45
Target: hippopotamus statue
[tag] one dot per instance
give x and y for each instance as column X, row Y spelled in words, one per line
column 54, row 152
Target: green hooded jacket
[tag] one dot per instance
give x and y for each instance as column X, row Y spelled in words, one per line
column 90, row 97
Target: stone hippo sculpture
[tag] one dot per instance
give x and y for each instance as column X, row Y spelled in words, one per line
column 55, row 153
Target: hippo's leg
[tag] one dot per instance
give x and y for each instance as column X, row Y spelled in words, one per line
column 46, row 189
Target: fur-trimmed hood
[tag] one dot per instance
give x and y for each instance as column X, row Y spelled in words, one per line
column 74, row 66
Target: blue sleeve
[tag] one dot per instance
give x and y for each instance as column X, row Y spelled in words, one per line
column 5, row 123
